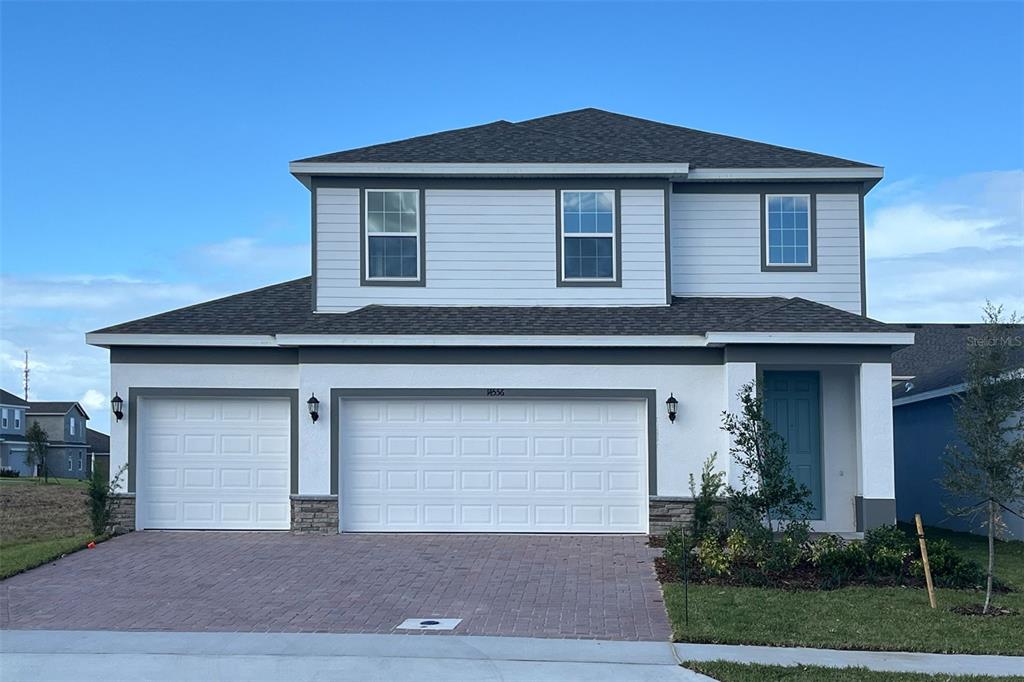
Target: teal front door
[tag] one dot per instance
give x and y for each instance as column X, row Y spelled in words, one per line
column 792, row 402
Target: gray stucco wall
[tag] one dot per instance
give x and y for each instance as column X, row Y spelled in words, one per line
column 13, row 457
column 921, row 432
column 57, row 459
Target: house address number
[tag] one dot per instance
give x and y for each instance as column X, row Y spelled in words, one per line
column 495, row 392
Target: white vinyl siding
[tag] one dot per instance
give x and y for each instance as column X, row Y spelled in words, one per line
column 716, row 250
column 489, row 247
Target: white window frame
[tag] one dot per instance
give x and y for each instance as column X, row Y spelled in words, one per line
column 71, row 426
column 601, row 235
column 3, row 420
column 71, row 462
column 17, row 419
column 767, row 233
column 81, row 461
column 367, row 234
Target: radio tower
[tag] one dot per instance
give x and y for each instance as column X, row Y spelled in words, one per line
column 26, row 376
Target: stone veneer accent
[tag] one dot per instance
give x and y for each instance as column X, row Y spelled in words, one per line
column 315, row 513
column 670, row 512
column 122, row 513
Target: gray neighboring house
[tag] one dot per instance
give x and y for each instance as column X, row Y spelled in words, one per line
column 927, row 377
column 65, row 426
column 13, row 445
column 99, row 452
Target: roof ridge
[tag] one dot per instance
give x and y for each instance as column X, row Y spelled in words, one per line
column 403, row 140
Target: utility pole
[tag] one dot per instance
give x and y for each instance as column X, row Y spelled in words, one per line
column 26, row 376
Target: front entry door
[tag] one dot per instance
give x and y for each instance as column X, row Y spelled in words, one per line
column 793, row 406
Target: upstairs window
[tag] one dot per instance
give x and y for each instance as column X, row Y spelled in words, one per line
column 588, row 237
column 17, row 419
column 393, row 235
column 788, row 227
column 4, row 419
column 72, row 426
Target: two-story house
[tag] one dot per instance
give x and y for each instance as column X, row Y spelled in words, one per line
column 520, row 328
column 13, row 445
column 65, row 426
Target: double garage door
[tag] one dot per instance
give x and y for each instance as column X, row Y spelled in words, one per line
column 405, row 465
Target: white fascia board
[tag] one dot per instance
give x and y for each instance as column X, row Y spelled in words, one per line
column 179, row 340
column 485, row 341
column 852, row 338
column 862, row 173
column 928, row 395
column 673, row 170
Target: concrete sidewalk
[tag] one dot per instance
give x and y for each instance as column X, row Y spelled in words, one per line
column 95, row 655
column 895, row 661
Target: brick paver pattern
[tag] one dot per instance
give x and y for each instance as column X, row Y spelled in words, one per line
column 600, row 587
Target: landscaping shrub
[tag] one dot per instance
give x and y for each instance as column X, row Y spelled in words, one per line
column 101, row 500
column 888, row 550
column 712, row 556
column 949, row 569
column 706, row 500
column 9, row 473
column 677, row 544
column 837, row 561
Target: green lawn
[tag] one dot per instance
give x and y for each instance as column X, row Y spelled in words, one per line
column 881, row 618
column 740, row 672
column 73, row 482
column 22, row 556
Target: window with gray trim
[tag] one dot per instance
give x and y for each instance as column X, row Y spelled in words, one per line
column 588, row 235
column 392, row 234
column 788, row 228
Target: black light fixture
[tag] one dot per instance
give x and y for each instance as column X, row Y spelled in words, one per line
column 314, row 407
column 117, row 405
column 672, row 404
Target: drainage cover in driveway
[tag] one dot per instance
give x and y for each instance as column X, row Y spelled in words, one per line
column 429, row 624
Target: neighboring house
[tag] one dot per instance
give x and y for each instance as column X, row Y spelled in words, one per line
column 99, row 452
column 496, row 318
column 13, row 445
column 929, row 377
column 65, row 426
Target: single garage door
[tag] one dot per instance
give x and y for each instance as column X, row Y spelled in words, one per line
column 503, row 465
column 214, row 463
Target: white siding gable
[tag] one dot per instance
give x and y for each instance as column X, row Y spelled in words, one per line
column 716, row 250
column 488, row 247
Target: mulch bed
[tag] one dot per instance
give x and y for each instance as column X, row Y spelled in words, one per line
column 978, row 610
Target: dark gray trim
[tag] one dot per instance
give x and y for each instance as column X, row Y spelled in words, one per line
column 324, row 498
column 203, row 356
column 135, row 392
column 812, row 216
column 788, row 187
column 417, row 355
column 553, row 183
column 874, row 512
column 863, row 260
column 650, row 396
column 668, row 243
column 560, row 280
column 312, row 242
column 421, row 240
column 807, row 354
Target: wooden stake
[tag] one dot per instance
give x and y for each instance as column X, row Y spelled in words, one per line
column 924, row 560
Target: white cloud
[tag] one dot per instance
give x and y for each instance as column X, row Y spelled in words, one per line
column 93, row 400
column 936, row 254
column 241, row 254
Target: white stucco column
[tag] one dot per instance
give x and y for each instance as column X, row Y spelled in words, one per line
column 314, row 437
column 876, row 486
column 737, row 375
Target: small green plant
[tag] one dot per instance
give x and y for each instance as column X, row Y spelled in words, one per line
column 706, row 499
column 888, row 549
column 9, row 473
column 836, row 560
column 737, row 545
column 949, row 568
column 712, row 556
column 101, row 499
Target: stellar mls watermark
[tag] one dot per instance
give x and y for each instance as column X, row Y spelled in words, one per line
column 1013, row 341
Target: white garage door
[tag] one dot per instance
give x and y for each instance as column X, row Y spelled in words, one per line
column 214, row 463
column 504, row 465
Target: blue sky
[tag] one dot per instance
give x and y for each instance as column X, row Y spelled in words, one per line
column 145, row 145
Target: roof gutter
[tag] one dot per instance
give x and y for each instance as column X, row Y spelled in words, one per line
column 674, row 171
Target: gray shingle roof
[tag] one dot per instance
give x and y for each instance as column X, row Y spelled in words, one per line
column 586, row 136
column 8, row 398
column 97, row 441
column 37, row 408
column 938, row 357
column 285, row 309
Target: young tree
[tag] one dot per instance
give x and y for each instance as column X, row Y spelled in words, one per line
column 37, row 439
column 986, row 470
column 768, row 492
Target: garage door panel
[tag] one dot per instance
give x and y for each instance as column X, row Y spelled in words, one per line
column 445, row 465
column 214, row 463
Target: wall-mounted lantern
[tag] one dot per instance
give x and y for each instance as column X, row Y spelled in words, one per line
column 314, row 407
column 117, row 406
column 672, row 404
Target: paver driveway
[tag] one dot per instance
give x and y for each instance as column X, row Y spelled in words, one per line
column 600, row 587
